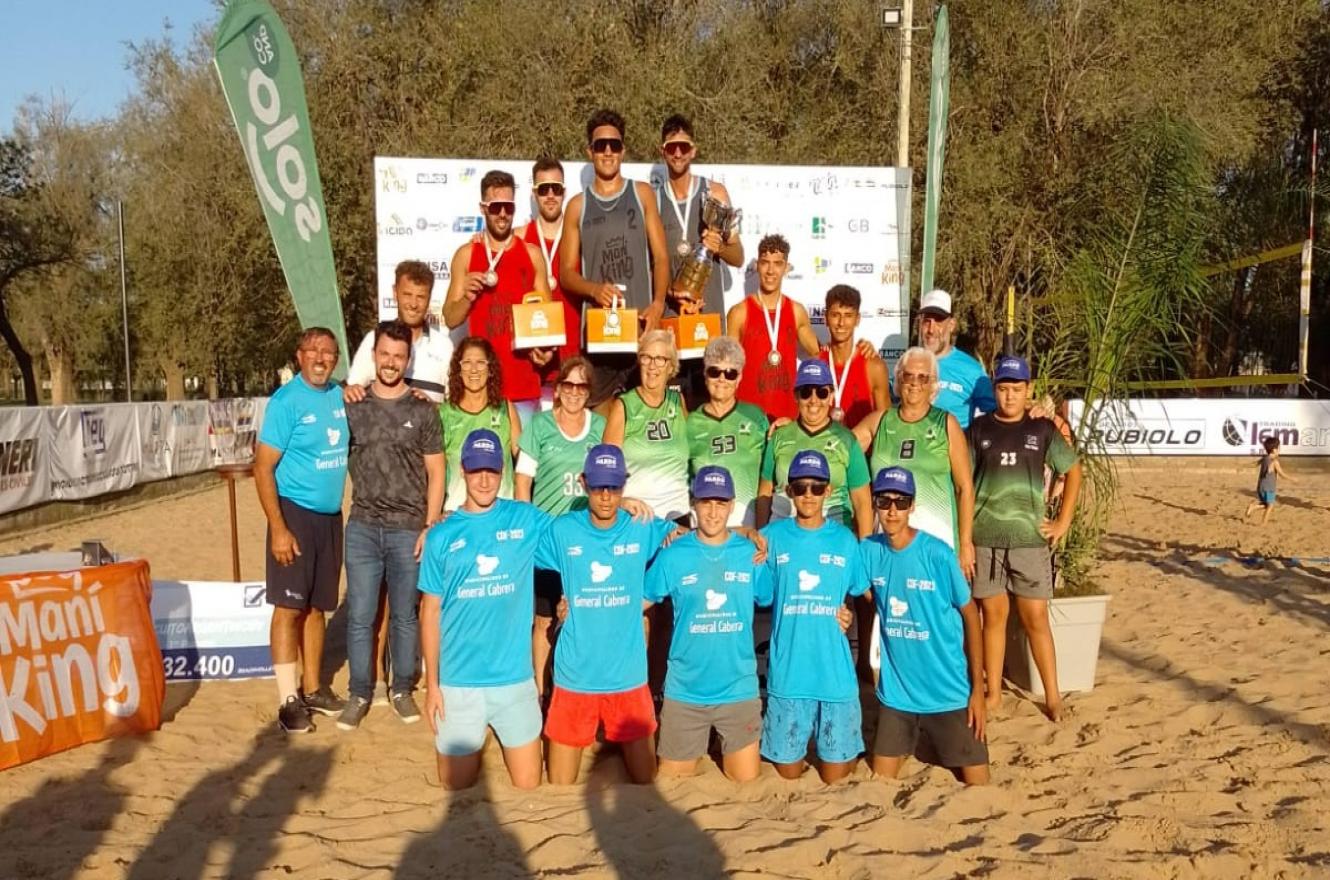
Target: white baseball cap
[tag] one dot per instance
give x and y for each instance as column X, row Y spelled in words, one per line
column 937, row 302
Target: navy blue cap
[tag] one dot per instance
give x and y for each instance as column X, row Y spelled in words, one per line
column 809, row 465
column 604, row 467
column 713, row 481
column 813, row 372
column 482, row 450
column 1011, row 369
column 894, row 479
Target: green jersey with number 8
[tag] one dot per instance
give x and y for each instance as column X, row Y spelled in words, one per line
column 554, row 461
column 735, row 442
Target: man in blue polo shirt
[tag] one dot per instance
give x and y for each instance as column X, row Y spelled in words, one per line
column 475, row 624
column 931, row 685
column 300, row 472
column 812, row 691
column 713, row 582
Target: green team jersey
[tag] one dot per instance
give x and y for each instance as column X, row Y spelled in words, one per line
column 849, row 468
column 558, row 460
column 457, row 424
column 922, row 448
column 1009, row 460
column 735, row 442
column 655, row 447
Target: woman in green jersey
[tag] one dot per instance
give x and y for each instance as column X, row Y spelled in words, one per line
column 549, row 461
column 927, row 441
column 725, row 432
column 475, row 400
column 650, row 425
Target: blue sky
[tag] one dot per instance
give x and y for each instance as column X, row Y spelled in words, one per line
column 77, row 48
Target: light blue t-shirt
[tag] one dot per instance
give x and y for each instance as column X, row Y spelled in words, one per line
column 964, row 389
column 308, row 426
column 713, row 590
column 601, row 648
column 481, row 565
column 918, row 592
column 814, row 571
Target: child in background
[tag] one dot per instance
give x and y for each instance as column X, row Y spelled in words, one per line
column 1266, row 481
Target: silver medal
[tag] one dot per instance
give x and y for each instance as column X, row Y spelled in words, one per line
column 491, row 278
column 774, row 358
column 682, row 249
column 837, row 414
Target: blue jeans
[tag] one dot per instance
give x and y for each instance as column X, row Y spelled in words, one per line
column 375, row 554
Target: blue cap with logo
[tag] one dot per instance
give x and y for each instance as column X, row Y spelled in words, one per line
column 482, row 450
column 604, row 467
column 894, row 479
column 713, row 481
column 810, row 465
column 1011, row 369
column 813, row 372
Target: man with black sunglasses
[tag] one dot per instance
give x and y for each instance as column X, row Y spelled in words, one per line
column 614, row 247
column 545, row 231
column 489, row 277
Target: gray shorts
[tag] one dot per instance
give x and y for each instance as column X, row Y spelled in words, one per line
column 953, row 744
column 1023, row 571
column 685, row 728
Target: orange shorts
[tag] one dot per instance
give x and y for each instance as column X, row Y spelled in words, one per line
column 574, row 716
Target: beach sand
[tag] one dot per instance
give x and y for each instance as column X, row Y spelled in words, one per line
column 1204, row 751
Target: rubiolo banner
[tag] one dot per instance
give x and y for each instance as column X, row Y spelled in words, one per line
column 260, row 75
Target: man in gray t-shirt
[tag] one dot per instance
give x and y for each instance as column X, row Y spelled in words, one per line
column 397, row 480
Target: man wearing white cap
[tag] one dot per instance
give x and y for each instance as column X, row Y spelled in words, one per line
column 964, row 389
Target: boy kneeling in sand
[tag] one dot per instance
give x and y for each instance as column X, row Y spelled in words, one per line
column 931, row 685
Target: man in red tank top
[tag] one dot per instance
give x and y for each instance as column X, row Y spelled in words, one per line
column 859, row 382
column 770, row 326
column 545, row 231
column 489, row 277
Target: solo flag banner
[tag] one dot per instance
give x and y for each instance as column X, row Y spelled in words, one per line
column 79, row 660
column 939, row 101
column 260, row 76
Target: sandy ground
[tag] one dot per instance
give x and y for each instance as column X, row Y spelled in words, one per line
column 1203, row 752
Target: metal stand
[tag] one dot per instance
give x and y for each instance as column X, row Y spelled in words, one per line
column 231, row 473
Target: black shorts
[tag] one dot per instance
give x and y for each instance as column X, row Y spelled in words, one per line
column 549, row 590
column 311, row 580
column 611, row 375
column 900, row 734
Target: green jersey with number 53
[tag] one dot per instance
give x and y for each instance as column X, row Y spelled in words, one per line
column 735, row 442
column 554, row 461
column 655, row 447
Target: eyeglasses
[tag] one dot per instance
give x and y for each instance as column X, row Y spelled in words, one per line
column 653, row 360
column 549, row 189
column 886, row 502
column 474, row 366
column 494, row 209
column 607, row 145
column 730, row 375
column 807, row 392
column 800, row 488
column 916, row 379
column 678, row 148
column 575, row 387
column 321, row 352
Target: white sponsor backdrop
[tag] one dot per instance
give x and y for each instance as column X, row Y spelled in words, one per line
column 1209, row 426
column 212, row 629
column 844, row 224
column 75, row 452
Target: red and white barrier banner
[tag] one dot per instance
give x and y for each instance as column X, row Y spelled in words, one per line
column 1204, row 426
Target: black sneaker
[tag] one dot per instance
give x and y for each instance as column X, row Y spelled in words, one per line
column 405, row 707
column 325, row 702
column 356, row 710
column 294, row 717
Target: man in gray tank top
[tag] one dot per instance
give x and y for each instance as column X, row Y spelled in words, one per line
column 679, row 199
column 614, row 245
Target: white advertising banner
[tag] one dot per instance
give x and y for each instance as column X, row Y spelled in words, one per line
column 25, row 475
column 173, row 439
column 233, row 427
column 845, row 225
column 212, row 630
column 1207, row 426
column 95, row 450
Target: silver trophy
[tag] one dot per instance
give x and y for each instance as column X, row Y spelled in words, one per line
column 690, row 281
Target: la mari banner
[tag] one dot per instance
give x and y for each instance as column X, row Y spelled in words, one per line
column 260, row 75
column 78, row 659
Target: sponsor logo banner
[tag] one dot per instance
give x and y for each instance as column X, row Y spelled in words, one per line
column 212, row 630
column 1196, row 426
column 25, row 475
column 78, row 659
column 95, row 450
column 173, row 439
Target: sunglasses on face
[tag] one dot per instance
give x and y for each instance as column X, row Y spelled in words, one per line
column 549, row 189
column 886, row 502
column 807, row 392
column 575, row 387
column 678, row 148
column 800, row 488
column 607, row 145
column 717, row 373
column 494, row 209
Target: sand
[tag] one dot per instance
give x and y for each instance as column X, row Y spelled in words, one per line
column 1203, row 752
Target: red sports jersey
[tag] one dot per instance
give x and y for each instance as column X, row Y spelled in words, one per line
column 571, row 319
column 857, row 397
column 492, row 316
column 769, row 387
